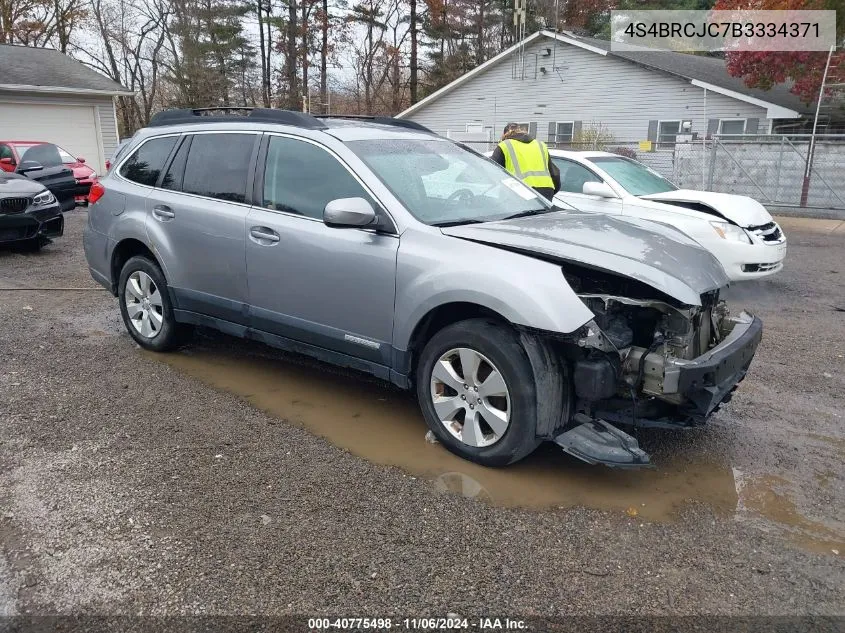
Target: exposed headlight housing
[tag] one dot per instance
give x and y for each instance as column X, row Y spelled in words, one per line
column 728, row 231
column 43, row 198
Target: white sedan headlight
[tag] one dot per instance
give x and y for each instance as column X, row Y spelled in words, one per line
column 43, row 198
column 728, row 231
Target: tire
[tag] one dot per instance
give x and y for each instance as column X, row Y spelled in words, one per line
column 497, row 349
column 154, row 326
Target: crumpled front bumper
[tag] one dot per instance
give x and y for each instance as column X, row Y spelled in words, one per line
column 706, row 381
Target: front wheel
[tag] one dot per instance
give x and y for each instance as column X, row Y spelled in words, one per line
column 145, row 306
column 476, row 389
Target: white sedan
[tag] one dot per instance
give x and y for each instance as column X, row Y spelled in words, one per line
column 736, row 229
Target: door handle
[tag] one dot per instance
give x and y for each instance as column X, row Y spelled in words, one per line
column 262, row 233
column 163, row 212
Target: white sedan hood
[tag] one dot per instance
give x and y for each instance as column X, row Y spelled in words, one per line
column 741, row 210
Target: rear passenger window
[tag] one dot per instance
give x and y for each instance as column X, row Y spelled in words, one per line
column 303, row 178
column 217, row 166
column 145, row 165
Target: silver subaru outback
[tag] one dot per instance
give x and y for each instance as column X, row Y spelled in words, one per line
column 375, row 244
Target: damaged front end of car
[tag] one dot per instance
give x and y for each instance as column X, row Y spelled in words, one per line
column 647, row 360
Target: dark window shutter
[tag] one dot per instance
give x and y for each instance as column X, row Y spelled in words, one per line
column 552, row 132
column 652, row 131
column 752, row 126
column 576, row 129
column 712, row 127
column 532, row 129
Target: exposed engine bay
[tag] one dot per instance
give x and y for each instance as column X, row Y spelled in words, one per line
column 646, row 360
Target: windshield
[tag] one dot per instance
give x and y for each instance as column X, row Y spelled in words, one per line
column 636, row 178
column 64, row 156
column 441, row 183
column 45, row 154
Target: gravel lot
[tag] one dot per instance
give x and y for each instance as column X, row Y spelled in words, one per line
column 179, row 484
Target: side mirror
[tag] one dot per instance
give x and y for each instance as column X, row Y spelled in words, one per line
column 600, row 189
column 349, row 212
column 80, row 159
column 7, row 161
column 29, row 165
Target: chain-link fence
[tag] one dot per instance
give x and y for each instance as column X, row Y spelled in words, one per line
column 769, row 168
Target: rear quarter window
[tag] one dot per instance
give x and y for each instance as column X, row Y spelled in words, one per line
column 145, row 164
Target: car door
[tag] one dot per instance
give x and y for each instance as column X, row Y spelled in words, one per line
column 333, row 288
column 196, row 217
column 573, row 176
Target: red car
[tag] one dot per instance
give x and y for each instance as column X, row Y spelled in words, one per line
column 12, row 151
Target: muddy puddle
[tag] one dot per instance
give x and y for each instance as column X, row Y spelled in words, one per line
column 384, row 425
column 770, row 496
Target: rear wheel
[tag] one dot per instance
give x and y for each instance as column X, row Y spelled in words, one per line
column 476, row 389
column 145, row 306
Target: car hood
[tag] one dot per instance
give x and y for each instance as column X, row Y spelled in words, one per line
column 741, row 210
column 654, row 253
column 17, row 185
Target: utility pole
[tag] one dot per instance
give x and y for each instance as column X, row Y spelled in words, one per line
column 805, row 187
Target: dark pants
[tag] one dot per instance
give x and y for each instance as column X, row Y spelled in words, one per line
column 547, row 192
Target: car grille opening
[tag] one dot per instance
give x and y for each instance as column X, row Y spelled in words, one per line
column 759, row 268
column 767, row 232
column 14, row 205
column 18, row 233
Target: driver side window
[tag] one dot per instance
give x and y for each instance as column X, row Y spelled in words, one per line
column 573, row 176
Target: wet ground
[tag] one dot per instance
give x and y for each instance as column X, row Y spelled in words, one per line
column 231, row 478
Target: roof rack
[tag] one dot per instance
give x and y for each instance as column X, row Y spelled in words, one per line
column 229, row 114
column 383, row 120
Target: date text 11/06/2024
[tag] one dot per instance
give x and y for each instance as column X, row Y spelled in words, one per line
column 416, row 624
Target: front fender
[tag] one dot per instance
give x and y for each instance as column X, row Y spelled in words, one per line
column 434, row 270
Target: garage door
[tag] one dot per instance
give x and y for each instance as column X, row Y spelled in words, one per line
column 73, row 128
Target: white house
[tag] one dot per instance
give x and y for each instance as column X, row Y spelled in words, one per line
column 558, row 83
column 47, row 96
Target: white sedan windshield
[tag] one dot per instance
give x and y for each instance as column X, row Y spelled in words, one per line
column 636, row 178
column 441, row 183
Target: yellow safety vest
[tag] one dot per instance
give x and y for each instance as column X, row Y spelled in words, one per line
column 529, row 162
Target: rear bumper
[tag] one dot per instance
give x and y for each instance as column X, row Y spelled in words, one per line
column 48, row 222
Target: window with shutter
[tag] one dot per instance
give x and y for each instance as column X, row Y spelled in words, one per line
column 561, row 132
column 728, row 127
column 667, row 133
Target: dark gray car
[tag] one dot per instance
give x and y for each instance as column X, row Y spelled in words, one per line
column 372, row 245
column 29, row 213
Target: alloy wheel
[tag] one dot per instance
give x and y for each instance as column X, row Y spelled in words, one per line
column 470, row 397
column 143, row 304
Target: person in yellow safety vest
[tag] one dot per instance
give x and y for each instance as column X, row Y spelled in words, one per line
column 528, row 160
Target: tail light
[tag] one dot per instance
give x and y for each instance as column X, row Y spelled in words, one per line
column 108, row 165
column 97, row 191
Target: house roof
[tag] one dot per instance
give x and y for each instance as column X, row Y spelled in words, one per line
column 704, row 72
column 30, row 69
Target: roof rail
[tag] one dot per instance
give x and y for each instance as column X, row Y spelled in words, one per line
column 383, row 120
column 230, row 114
